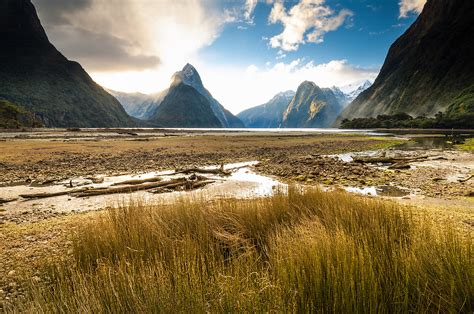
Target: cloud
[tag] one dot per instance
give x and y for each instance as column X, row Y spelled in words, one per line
column 307, row 21
column 262, row 83
column 106, row 35
column 100, row 51
column 57, row 11
column 411, row 6
column 249, row 8
column 240, row 11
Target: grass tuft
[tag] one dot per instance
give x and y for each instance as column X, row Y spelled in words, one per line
column 309, row 251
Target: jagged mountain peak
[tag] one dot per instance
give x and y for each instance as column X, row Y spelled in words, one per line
column 426, row 67
column 287, row 94
column 189, row 76
column 307, row 84
column 35, row 75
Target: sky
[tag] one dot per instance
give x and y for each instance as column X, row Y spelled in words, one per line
column 246, row 51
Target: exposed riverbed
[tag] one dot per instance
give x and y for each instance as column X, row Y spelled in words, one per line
column 45, row 162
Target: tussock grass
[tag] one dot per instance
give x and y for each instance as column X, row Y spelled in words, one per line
column 309, row 251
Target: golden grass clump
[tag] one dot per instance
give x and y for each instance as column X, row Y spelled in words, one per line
column 308, row 251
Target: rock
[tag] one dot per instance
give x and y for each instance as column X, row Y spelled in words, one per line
column 11, row 273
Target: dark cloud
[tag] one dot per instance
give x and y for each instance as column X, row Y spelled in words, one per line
column 95, row 50
column 99, row 51
column 55, row 12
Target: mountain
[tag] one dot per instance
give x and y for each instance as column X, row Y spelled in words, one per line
column 185, row 107
column 13, row 116
column 138, row 105
column 145, row 107
column 341, row 97
column 36, row 76
column 427, row 67
column 268, row 115
column 346, row 94
column 189, row 76
column 354, row 92
column 312, row 107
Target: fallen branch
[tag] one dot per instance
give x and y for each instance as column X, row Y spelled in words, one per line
column 387, row 160
column 128, row 189
column 46, row 195
column 219, row 171
column 467, row 179
column 7, row 200
column 137, row 181
column 399, row 166
column 188, row 186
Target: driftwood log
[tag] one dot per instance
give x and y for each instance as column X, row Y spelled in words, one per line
column 387, row 160
column 187, row 186
column 400, row 166
column 467, row 179
column 137, row 181
column 7, row 200
column 220, row 171
column 129, row 188
column 46, row 195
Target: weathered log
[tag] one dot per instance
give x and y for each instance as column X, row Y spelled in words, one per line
column 46, row 195
column 7, row 200
column 198, row 185
column 128, row 188
column 387, row 160
column 467, row 179
column 374, row 160
column 399, row 166
column 188, row 186
column 137, row 181
column 219, row 171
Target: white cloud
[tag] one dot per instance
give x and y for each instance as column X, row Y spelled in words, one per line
column 307, row 21
column 280, row 55
column 411, row 6
column 172, row 31
column 249, row 8
column 241, row 88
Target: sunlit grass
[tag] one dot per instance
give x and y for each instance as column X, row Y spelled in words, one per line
column 467, row 145
column 307, row 251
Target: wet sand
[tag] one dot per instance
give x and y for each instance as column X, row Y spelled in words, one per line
column 50, row 160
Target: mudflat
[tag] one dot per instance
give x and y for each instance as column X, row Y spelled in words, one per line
column 438, row 182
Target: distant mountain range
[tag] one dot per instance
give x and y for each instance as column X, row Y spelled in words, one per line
column 37, row 77
column 310, row 106
column 351, row 91
column 428, row 68
column 268, row 115
column 159, row 108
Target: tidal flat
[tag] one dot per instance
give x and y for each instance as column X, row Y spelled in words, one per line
column 241, row 167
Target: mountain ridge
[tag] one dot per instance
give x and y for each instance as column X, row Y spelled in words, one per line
column 145, row 106
column 426, row 67
column 268, row 115
column 185, row 107
column 311, row 107
column 35, row 75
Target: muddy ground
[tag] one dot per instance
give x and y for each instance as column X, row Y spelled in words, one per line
column 304, row 158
